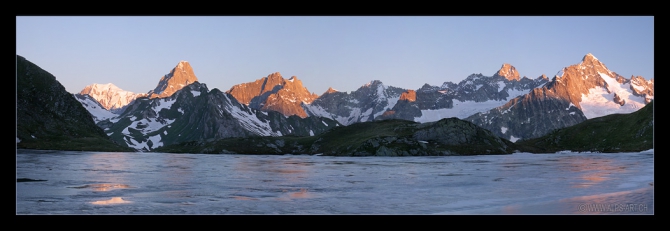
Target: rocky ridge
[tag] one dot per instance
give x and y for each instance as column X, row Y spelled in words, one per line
column 274, row 93
column 365, row 104
column 194, row 113
column 450, row 136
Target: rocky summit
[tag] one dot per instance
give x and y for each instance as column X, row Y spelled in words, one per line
column 274, row 93
column 180, row 76
column 508, row 72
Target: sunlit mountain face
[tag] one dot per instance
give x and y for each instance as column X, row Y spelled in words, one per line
column 509, row 105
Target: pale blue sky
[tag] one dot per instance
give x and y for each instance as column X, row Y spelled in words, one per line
column 343, row 52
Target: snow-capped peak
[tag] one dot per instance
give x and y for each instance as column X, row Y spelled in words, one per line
column 109, row 95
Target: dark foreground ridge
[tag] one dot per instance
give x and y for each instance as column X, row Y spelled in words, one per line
column 449, row 136
column 49, row 117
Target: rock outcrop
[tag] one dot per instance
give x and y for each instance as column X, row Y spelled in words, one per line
column 409, row 95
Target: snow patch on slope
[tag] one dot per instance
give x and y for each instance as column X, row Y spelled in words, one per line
column 513, row 93
column 98, row 113
column 461, row 110
column 250, row 121
column 166, row 103
column 513, row 139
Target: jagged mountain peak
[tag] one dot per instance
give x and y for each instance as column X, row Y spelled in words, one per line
column 330, row 90
column 372, row 83
column 508, row 72
column 589, row 57
column 276, row 76
column 182, row 64
column 178, row 78
column 598, row 91
column 591, row 61
column 274, row 93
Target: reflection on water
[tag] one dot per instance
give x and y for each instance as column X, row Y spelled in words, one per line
column 114, row 200
column 160, row 183
column 303, row 193
column 102, row 187
column 284, row 195
column 243, row 198
column 593, row 169
column 625, row 202
column 631, row 202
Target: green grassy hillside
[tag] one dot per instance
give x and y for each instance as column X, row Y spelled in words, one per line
column 632, row 132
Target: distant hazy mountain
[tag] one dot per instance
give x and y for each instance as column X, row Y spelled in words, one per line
column 365, row 104
column 109, row 96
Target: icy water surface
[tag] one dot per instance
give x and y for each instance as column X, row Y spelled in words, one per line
column 61, row 182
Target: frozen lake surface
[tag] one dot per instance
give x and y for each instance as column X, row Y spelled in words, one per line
column 63, row 182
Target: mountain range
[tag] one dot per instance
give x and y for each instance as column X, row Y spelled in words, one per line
column 180, row 109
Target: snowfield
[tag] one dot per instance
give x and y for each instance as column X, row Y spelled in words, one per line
column 599, row 102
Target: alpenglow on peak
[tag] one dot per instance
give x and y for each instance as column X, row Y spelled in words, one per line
column 589, row 56
column 180, row 76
